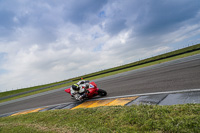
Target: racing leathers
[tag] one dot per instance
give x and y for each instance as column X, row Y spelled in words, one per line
column 82, row 91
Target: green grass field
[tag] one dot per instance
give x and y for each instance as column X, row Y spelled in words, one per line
column 116, row 119
column 192, row 50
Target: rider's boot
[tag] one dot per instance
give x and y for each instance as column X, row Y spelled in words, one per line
column 83, row 96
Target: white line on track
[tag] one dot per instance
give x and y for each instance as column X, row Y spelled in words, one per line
column 145, row 94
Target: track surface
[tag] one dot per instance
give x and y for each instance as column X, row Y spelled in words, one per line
column 181, row 74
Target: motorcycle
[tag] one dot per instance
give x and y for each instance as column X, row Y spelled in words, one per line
column 92, row 91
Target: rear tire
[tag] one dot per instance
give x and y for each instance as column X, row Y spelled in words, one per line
column 102, row 92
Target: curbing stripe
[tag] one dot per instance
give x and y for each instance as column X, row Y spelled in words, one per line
column 84, row 104
column 100, row 103
column 27, row 111
column 72, row 105
column 122, row 101
column 108, row 102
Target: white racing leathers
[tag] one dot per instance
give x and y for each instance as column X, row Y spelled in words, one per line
column 83, row 84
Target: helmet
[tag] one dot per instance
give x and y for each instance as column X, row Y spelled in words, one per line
column 75, row 87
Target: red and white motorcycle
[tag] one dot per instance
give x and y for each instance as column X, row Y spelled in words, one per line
column 92, row 91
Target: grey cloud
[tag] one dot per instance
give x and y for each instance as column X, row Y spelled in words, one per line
column 9, row 17
column 149, row 18
column 6, row 22
column 6, row 18
column 26, row 15
column 79, row 12
column 166, row 16
column 115, row 26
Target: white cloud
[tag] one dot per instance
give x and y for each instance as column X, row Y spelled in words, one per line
column 49, row 41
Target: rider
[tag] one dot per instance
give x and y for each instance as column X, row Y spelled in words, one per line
column 81, row 88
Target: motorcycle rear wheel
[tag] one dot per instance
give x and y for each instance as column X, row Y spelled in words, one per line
column 102, row 92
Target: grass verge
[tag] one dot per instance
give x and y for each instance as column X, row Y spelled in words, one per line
column 135, row 118
column 12, row 92
column 98, row 76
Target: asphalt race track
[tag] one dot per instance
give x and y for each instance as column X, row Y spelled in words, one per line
column 181, row 74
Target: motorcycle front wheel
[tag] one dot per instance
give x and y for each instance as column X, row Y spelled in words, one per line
column 102, row 92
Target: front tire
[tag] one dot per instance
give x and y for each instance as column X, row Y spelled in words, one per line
column 102, row 92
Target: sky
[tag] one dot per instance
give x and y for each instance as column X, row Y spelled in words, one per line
column 45, row 41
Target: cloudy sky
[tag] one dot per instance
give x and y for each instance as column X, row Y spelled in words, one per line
column 43, row 41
